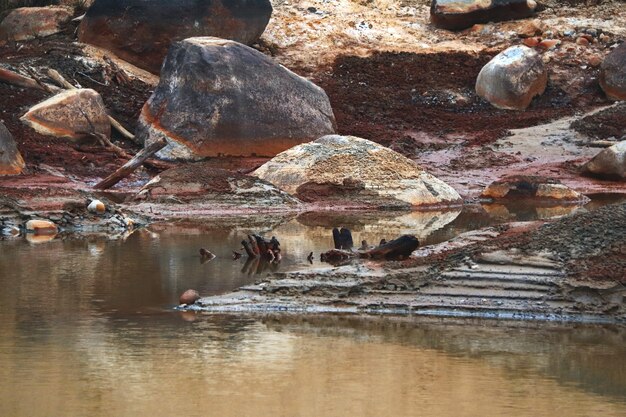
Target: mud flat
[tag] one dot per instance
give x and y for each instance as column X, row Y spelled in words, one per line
column 571, row 269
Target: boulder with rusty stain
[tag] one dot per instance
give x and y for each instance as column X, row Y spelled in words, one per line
column 68, row 115
column 353, row 170
column 610, row 162
column 613, row 73
column 531, row 188
column 219, row 97
column 11, row 161
column 512, row 78
column 26, row 23
column 141, row 31
column 462, row 14
column 41, row 227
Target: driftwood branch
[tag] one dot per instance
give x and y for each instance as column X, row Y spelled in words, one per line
column 129, row 167
column 13, row 78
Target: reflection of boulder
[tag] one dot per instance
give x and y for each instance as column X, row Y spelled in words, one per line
column 221, row 97
column 512, row 78
column 610, row 162
column 531, row 188
column 312, row 231
column 455, row 14
column 355, row 172
column 141, row 31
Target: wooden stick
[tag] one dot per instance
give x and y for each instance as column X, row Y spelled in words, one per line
column 118, row 126
column 602, row 143
column 58, row 78
column 129, row 167
column 11, row 77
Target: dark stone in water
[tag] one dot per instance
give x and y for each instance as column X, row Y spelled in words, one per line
column 141, row 31
column 462, row 14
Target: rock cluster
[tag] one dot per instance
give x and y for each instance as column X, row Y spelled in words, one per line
column 27, row 23
column 512, row 78
column 71, row 114
column 141, row 31
column 219, row 97
column 462, row 14
column 613, row 73
column 352, row 169
column 11, row 161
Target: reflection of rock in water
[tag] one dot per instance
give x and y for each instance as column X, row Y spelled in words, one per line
column 314, row 230
column 588, row 356
column 528, row 212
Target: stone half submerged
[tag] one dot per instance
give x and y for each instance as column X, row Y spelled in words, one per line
column 219, row 97
column 531, row 189
column 350, row 171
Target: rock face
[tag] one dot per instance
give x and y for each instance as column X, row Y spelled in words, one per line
column 531, row 188
column 65, row 115
column 613, row 73
column 221, row 97
column 512, row 78
column 355, row 171
column 461, row 14
column 610, row 162
column 11, row 161
column 197, row 187
column 28, row 23
column 141, row 31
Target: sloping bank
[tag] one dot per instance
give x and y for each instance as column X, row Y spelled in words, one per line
column 572, row 269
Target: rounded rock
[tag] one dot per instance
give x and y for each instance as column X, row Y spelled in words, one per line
column 96, row 206
column 512, row 78
column 613, row 73
column 189, row 297
column 11, row 161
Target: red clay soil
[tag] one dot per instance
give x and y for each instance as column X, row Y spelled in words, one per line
column 391, row 96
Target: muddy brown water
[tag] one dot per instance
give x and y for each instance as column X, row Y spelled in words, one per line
column 86, row 328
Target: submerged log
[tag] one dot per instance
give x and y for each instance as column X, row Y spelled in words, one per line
column 342, row 238
column 398, row 249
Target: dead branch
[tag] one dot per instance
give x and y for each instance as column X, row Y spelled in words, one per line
column 13, row 78
column 129, row 167
column 114, row 73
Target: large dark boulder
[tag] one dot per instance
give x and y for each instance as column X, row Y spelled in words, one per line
column 462, row 14
column 11, row 161
column 613, row 73
column 219, row 97
column 141, row 31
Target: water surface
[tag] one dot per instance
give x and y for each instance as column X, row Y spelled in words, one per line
column 86, row 328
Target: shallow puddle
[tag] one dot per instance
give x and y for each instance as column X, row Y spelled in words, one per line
column 86, row 328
